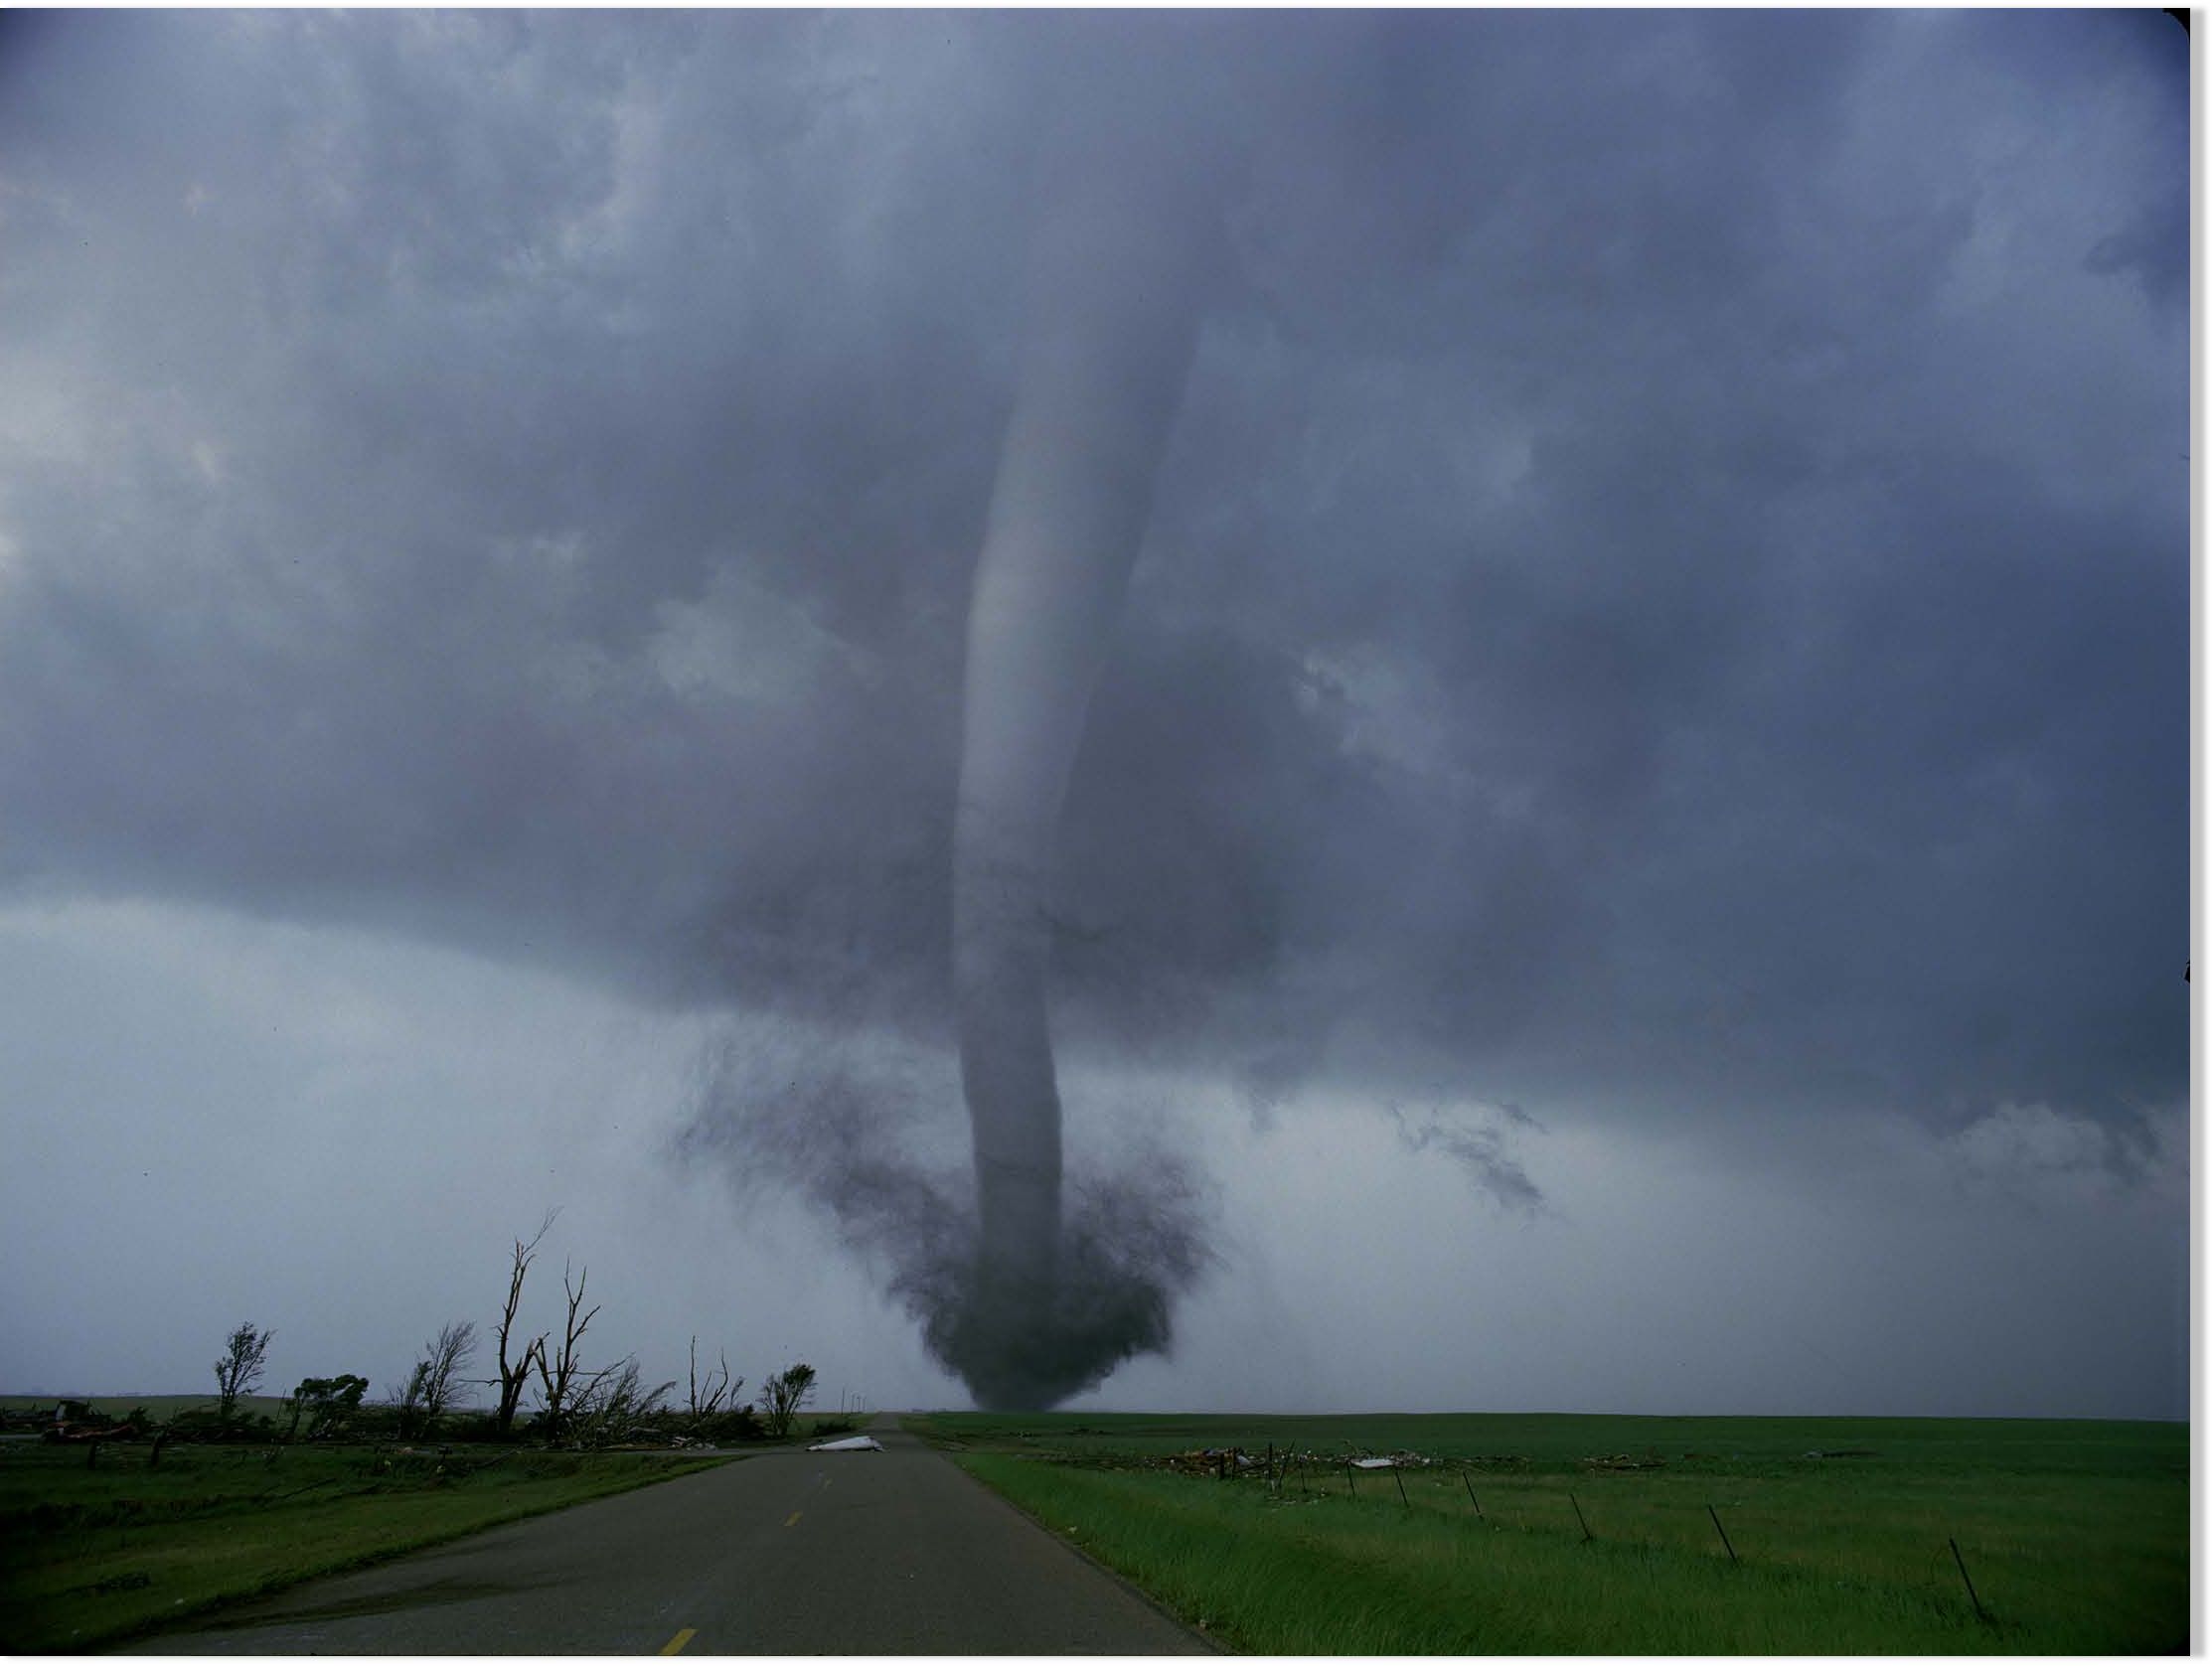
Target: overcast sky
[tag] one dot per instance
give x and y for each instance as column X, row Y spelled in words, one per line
column 1631, row 851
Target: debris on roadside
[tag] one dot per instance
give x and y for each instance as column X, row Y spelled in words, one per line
column 854, row 1443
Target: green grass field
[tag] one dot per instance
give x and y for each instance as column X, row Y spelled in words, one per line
column 2075, row 1533
column 89, row 1556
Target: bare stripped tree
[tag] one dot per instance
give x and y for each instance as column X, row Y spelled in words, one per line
column 513, row 1373
column 717, row 1393
column 557, row 1375
column 437, row 1378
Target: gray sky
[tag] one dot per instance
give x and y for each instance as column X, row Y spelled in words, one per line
column 1631, row 848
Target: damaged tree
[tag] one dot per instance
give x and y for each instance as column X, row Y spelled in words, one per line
column 240, row 1368
column 437, row 1377
column 514, row 1374
column 718, row 1392
column 557, row 1376
column 611, row 1402
column 445, row 1359
column 328, row 1404
column 782, row 1396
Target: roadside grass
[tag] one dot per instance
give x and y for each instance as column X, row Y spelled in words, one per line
column 2076, row 1535
column 92, row 1556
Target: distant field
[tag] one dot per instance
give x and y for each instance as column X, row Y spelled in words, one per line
column 162, row 1406
column 2075, row 1533
column 91, row 1554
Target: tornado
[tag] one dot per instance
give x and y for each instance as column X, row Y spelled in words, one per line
column 1113, row 304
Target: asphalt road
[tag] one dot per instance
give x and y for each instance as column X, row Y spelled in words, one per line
column 787, row 1552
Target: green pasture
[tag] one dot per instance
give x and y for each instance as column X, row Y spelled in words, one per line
column 91, row 1554
column 2075, row 1533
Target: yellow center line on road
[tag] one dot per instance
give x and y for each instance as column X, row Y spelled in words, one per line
column 675, row 1645
column 794, row 1521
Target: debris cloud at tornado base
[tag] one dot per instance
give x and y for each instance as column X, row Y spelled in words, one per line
column 848, row 1132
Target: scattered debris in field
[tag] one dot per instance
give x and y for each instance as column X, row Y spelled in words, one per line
column 1622, row 1460
column 1200, row 1460
column 1222, row 1461
column 1853, row 1452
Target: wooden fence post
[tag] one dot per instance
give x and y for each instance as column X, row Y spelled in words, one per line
column 1722, row 1531
column 1978, row 1613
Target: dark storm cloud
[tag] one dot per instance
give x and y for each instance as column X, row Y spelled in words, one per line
column 1668, row 585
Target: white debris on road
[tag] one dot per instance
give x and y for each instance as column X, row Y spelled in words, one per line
column 857, row 1443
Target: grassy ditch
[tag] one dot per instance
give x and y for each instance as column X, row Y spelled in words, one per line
column 2075, row 1535
column 92, row 1555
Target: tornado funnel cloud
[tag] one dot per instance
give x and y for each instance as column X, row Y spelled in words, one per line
column 1112, row 321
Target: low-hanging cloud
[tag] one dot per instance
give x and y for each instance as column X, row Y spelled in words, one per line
column 1481, row 1142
